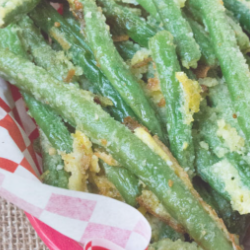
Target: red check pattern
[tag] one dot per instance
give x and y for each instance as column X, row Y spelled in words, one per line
column 77, row 215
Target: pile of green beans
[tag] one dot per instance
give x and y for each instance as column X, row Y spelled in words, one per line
column 159, row 91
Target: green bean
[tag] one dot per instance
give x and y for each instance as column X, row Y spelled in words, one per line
column 12, row 11
column 72, row 21
column 232, row 61
column 235, row 222
column 53, row 174
column 80, row 110
column 241, row 37
column 50, row 123
column 208, row 56
column 116, row 70
column 193, row 12
column 228, row 173
column 55, row 62
column 173, row 21
column 241, row 11
column 218, row 126
column 129, row 188
column 168, row 232
column 127, row 49
column 135, row 27
column 179, row 130
column 190, row 74
column 219, row 98
column 10, row 40
column 126, row 183
column 73, row 43
column 149, row 6
column 161, row 230
column 45, row 118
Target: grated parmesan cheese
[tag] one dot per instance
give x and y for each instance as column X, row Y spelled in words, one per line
column 230, row 135
column 238, row 192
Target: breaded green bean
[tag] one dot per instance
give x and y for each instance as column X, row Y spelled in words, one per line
column 219, row 163
column 241, row 10
column 81, row 111
column 223, row 175
column 241, row 37
column 135, row 27
column 173, row 21
column 178, row 124
column 116, row 70
column 149, row 6
column 235, row 222
column 10, row 40
column 208, row 56
column 125, row 182
column 50, row 123
column 55, row 62
column 56, row 133
column 13, row 10
column 73, row 43
column 127, row 49
column 53, row 172
column 232, row 61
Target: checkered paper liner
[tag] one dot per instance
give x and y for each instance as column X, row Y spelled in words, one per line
column 86, row 218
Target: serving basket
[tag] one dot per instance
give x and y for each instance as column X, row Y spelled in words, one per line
column 106, row 224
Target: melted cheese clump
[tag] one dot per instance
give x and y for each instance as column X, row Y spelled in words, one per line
column 191, row 90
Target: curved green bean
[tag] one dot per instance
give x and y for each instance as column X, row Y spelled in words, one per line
column 81, row 111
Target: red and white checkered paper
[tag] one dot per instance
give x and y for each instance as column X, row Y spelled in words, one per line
column 83, row 217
